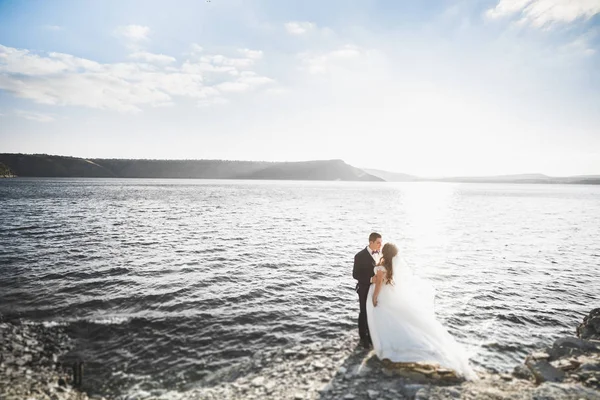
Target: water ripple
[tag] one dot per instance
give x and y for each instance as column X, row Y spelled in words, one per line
column 165, row 283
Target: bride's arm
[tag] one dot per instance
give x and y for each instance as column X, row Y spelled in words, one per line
column 378, row 282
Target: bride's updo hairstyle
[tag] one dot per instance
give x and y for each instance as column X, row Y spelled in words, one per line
column 388, row 252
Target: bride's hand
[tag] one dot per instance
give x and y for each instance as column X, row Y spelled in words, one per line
column 374, row 301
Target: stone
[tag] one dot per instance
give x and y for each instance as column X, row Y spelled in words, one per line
column 571, row 347
column 590, row 327
column 522, row 372
column 258, row 381
column 410, row 390
column 373, row 394
column 349, row 396
column 318, row 365
column 566, row 364
column 539, row 355
column 552, row 391
column 590, row 366
column 422, row 394
column 506, row 377
column 543, row 371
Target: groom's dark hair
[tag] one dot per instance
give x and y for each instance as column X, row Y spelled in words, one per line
column 374, row 236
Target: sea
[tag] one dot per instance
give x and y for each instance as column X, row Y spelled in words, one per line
column 163, row 283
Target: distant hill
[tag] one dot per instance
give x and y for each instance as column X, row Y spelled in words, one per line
column 331, row 170
column 196, row 169
column 43, row 165
column 519, row 178
column 391, row 176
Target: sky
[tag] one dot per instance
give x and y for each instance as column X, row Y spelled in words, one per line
column 431, row 88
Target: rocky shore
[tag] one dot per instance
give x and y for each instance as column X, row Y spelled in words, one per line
column 337, row 369
column 30, row 366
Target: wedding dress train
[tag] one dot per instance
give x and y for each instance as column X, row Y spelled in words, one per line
column 403, row 326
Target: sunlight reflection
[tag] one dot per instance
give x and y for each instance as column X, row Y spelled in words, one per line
column 427, row 209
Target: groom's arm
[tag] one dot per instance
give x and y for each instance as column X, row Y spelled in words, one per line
column 360, row 273
column 356, row 269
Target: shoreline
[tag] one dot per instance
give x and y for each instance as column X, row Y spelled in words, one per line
column 332, row 369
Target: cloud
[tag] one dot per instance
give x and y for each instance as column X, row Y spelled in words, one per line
column 299, row 28
column 151, row 80
column 34, row 116
column 321, row 63
column 543, row 13
column 580, row 46
column 196, row 48
column 212, row 101
column 252, row 54
column 246, row 81
column 152, row 58
column 133, row 35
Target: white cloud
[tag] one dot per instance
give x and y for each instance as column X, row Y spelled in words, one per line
column 247, row 80
column 133, row 34
column 220, row 60
column 580, row 46
column 251, row 54
column 299, row 28
column 34, row 116
column 323, row 62
column 63, row 79
column 152, row 58
column 196, row 48
column 212, row 101
column 541, row 13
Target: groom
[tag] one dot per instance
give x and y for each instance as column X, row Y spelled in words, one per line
column 364, row 262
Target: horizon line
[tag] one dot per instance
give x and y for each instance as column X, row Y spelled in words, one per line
column 321, row 160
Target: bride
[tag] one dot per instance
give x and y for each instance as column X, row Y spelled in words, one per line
column 401, row 318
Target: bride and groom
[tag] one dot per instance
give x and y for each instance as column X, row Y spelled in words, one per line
column 397, row 316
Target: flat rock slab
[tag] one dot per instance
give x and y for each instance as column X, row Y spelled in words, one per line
column 545, row 372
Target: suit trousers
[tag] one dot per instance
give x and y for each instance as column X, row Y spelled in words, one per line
column 363, row 327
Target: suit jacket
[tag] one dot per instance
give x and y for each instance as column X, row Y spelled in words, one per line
column 363, row 268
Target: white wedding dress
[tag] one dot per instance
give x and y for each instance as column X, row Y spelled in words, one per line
column 403, row 326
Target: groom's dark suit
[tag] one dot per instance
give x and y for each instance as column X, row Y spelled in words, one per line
column 362, row 272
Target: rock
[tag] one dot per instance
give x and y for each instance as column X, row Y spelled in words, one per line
column 422, row 394
column 298, row 396
column 258, row 381
column 590, row 327
column 410, row 390
column 506, row 377
column 327, row 388
column 566, row 364
column 543, row 371
column 318, row 365
column 571, row 347
column 522, row 372
column 539, row 355
column 555, row 391
column 349, row 396
column 373, row 394
column 590, row 366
